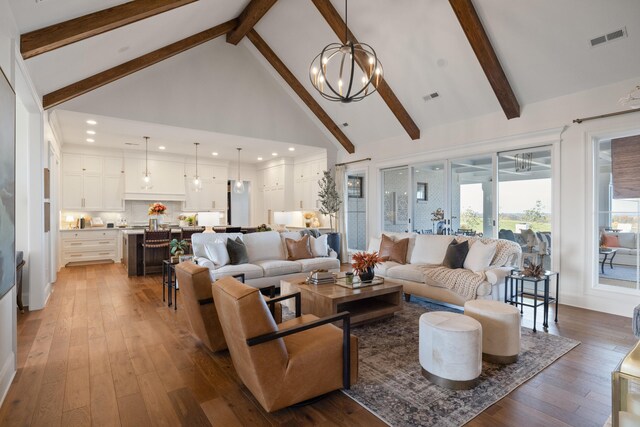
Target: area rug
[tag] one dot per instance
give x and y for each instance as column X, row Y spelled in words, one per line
column 390, row 383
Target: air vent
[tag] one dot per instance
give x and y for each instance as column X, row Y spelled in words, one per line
column 131, row 143
column 430, row 96
column 609, row 37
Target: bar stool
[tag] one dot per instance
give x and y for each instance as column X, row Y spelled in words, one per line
column 187, row 233
column 155, row 248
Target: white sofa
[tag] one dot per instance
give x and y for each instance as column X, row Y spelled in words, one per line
column 267, row 257
column 627, row 252
column 423, row 273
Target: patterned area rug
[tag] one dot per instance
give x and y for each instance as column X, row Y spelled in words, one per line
column 391, row 385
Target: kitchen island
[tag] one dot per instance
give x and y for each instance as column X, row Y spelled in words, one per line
column 132, row 250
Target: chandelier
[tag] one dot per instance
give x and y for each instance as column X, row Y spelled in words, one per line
column 346, row 72
column 632, row 100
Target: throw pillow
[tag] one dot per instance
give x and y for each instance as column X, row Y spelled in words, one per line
column 237, row 251
column 298, row 249
column 456, row 253
column 319, row 246
column 610, row 241
column 217, row 252
column 394, row 251
column 480, row 256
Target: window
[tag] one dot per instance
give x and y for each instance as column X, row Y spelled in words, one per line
column 354, row 186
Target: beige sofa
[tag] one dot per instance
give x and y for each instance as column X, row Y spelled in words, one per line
column 627, row 252
column 423, row 274
column 267, row 253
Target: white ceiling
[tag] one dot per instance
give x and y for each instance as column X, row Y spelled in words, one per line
column 543, row 46
column 118, row 134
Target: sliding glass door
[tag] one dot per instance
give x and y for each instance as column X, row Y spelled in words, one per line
column 525, row 197
column 472, row 196
column 395, row 199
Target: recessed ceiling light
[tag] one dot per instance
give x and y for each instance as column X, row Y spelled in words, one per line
column 274, row 154
column 91, row 132
column 92, row 122
column 162, row 147
column 292, row 149
column 259, row 158
column 214, row 154
column 91, row 140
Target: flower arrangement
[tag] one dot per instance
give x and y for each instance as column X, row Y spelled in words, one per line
column 437, row 215
column 363, row 261
column 308, row 215
column 157, row 209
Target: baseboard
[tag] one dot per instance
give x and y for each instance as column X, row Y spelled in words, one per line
column 6, row 375
column 598, row 304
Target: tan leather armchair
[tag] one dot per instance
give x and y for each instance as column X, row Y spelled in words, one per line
column 195, row 286
column 288, row 363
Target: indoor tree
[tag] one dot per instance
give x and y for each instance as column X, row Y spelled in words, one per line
column 329, row 197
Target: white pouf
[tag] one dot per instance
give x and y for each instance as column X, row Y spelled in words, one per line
column 500, row 329
column 450, row 349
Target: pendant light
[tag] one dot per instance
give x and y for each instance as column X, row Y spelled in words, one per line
column 346, row 72
column 238, row 188
column 146, row 176
column 197, row 182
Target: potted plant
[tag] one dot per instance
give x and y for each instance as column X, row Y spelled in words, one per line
column 363, row 264
column 178, row 247
column 330, row 205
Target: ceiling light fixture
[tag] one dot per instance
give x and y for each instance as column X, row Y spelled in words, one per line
column 214, row 154
column 146, row 176
column 91, row 132
column 162, row 147
column 274, row 154
column 259, row 159
column 334, row 73
column 632, row 100
column 91, row 122
column 91, row 140
column 197, row 182
column 292, row 149
column 238, row 188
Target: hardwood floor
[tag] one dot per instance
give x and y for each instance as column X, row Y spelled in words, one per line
column 107, row 351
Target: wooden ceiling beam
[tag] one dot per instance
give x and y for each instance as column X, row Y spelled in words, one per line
column 108, row 76
column 481, row 45
column 58, row 35
column 249, row 17
column 297, row 87
column 336, row 23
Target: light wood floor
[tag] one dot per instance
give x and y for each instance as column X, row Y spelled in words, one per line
column 107, row 351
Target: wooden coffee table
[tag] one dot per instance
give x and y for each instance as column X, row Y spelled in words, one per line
column 365, row 304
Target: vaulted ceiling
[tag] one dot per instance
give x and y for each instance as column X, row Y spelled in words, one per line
column 542, row 46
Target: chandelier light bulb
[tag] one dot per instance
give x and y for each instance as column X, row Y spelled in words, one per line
column 146, row 178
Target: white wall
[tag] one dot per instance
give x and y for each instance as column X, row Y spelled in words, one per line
column 494, row 133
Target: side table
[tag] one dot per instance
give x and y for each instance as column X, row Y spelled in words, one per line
column 169, row 281
column 514, row 293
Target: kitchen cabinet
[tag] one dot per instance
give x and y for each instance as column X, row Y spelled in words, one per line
column 82, row 182
column 113, row 184
column 167, row 180
column 306, row 188
column 89, row 245
column 212, row 195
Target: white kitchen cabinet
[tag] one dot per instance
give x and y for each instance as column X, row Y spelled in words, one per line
column 72, row 190
column 92, row 190
column 167, row 180
column 306, row 188
column 89, row 245
column 213, row 195
column 92, row 183
column 113, row 192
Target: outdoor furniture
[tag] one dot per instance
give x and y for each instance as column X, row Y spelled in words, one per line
column 610, row 254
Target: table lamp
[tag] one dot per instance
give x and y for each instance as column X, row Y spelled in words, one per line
column 209, row 220
column 70, row 220
column 282, row 219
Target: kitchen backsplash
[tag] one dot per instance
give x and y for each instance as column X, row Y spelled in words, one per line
column 135, row 212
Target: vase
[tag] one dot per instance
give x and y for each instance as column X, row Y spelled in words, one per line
column 367, row 275
column 307, row 223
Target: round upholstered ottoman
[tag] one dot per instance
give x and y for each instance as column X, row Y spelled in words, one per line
column 500, row 329
column 450, row 349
